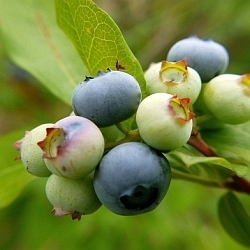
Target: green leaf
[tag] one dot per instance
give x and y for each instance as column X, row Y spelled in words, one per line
column 189, row 164
column 13, row 176
column 12, row 181
column 33, row 40
column 231, row 141
column 234, row 218
column 97, row 38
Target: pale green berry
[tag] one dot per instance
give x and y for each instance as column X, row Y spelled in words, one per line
column 204, row 118
column 73, row 147
column 110, row 133
column 164, row 121
column 72, row 197
column 173, row 78
column 227, row 96
column 31, row 154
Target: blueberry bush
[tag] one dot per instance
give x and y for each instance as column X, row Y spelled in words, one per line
column 123, row 135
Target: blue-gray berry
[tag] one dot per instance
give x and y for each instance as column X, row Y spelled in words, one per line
column 107, row 99
column 132, row 178
column 206, row 56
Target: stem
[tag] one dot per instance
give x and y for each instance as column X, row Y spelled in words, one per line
column 197, row 179
column 239, row 184
column 236, row 183
column 122, row 128
column 203, row 118
column 197, row 142
column 132, row 135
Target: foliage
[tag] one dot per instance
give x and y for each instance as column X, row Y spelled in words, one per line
column 98, row 40
column 44, row 50
column 231, row 208
column 33, row 40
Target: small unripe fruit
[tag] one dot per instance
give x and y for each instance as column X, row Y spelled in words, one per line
column 73, row 147
column 31, row 154
column 110, row 133
column 173, row 78
column 206, row 56
column 204, row 118
column 164, row 121
column 228, row 97
column 72, row 197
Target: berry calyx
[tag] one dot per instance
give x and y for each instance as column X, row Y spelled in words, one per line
column 180, row 108
column 173, row 78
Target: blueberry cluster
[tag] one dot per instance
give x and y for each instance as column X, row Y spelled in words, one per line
column 90, row 160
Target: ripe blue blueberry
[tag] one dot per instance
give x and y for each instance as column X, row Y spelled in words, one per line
column 207, row 57
column 132, row 178
column 107, row 99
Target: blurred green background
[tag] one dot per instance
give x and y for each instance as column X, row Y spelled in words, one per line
column 187, row 218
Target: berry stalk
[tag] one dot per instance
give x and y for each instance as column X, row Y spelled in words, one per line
column 235, row 183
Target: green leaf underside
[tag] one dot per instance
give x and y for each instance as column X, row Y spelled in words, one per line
column 97, row 38
column 189, row 161
column 234, row 218
column 13, row 176
column 12, row 182
column 231, row 141
column 33, row 40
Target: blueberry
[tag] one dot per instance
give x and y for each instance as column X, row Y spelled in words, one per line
column 107, row 99
column 132, row 178
column 31, row 154
column 164, row 121
column 227, row 96
column 72, row 197
column 72, row 147
column 173, row 78
column 207, row 57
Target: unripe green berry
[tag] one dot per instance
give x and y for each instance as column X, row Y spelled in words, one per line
column 73, row 147
column 173, row 78
column 72, row 197
column 31, row 154
column 204, row 118
column 110, row 133
column 164, row 121
column 227, row 96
